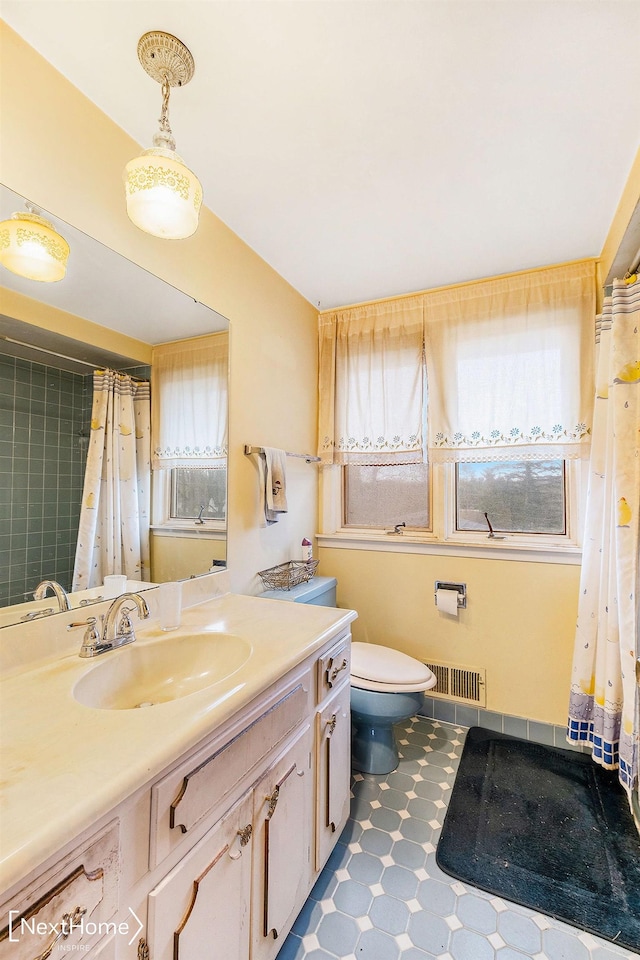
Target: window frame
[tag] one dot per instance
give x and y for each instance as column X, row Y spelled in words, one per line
column 166, row 525
column 443, row 538
column 418, row 531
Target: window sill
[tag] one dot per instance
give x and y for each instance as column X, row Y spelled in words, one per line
column 508, row 549
column 189, row 531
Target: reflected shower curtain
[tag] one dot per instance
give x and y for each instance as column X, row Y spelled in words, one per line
column 113, row 536
column 603, row 707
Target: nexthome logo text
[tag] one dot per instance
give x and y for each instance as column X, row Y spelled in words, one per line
column 76, row 922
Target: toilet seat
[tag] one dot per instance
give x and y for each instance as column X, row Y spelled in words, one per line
column 374, row 667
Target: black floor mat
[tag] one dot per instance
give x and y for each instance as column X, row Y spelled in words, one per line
column 545, row 828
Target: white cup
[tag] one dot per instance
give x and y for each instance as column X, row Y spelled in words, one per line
column 114, row 585
column 170, row 605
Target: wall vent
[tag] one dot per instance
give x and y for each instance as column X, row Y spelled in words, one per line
column 463, row 684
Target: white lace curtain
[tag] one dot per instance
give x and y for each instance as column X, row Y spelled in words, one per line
column 113, row 535
column 190, row 402
column 603, row 707
column 372, row 384
column 509, row 364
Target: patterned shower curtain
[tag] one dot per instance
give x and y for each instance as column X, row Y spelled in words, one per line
column 113, row 536
column 603, row 707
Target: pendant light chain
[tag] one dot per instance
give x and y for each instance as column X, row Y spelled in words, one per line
column 164, row 115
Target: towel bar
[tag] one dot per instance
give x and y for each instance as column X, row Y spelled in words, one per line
column 249, row 450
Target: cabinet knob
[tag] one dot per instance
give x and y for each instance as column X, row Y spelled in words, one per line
column 272, row 800
column 243, row 835
column 64, row 929
column 143, row 949
column 332, row 671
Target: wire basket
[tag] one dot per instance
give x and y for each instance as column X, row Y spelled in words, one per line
column 289, row 574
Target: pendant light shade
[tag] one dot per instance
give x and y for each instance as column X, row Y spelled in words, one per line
column 31, row 247
column 163, row 196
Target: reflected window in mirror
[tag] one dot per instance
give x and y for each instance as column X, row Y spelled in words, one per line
column 198, row 494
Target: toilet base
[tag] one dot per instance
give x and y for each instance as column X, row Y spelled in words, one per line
column 373, row 714
column 373, row 749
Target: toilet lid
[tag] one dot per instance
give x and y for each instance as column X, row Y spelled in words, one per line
column 372, row 662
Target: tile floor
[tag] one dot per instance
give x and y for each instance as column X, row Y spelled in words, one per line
column 382, row 896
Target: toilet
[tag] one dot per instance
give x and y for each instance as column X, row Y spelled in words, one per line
column 387, row 687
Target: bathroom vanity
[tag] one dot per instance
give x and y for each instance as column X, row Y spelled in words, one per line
column 195, row 826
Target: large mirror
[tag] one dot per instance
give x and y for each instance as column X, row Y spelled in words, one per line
column 46, row 387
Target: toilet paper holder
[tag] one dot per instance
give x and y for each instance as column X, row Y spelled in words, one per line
column 460, row 588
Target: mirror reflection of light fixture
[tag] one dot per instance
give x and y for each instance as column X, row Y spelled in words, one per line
column 31, row 247
column 163, row 195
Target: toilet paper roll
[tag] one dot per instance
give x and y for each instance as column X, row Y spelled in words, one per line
column 447, row 601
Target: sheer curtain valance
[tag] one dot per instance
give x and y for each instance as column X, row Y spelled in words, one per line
column 509, row 367
column 371, row 384
column 189, row 402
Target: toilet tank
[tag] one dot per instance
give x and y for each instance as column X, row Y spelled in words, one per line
column 320, row 591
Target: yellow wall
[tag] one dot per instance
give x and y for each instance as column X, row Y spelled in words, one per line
column 519, row 623
column 176, row 558
column 58, row 150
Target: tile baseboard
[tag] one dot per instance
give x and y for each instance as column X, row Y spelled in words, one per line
column 547, row 733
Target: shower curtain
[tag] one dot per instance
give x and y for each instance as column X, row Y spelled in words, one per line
column 113, row 536
column 603, row 706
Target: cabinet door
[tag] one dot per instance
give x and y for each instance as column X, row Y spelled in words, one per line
column 333, row 772
column 282, row 854
column 201, row 908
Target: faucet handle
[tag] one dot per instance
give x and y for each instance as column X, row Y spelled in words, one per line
column 92, row 636
column 125, row 626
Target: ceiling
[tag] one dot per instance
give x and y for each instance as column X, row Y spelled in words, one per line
column 366, row 149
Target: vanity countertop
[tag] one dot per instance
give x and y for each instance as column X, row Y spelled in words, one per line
column 65, row 765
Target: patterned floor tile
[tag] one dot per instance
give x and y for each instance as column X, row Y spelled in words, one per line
column 382, row 895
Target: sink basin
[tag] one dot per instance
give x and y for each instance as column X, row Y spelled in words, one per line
column 146, row 673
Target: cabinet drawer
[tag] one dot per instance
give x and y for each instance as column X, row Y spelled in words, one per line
column 193, row 791
column 334, row 667
column 69, row 906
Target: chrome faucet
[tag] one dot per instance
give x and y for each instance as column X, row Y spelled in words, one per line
column 117, row 628
column 40, row 593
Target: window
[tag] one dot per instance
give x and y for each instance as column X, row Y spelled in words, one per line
column 198, row 494
column 526, row 496
column 519, row 497
column 381, row 496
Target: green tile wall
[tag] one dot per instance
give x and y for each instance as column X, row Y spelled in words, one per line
column 44, row 429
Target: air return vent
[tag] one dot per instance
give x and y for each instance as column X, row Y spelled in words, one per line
column 464, row 684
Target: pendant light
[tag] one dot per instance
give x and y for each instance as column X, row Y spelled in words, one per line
column 31, row 247
column 163, row 195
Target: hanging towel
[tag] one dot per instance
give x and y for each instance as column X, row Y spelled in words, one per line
column 274, row 482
